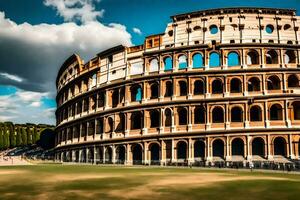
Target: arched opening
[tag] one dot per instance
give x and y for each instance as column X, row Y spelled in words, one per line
column 199, row 115
column 115, row 98
column 110, row 125
column 233, row 59
column 214, row 59
column 255, row 114
column 83, row 156
column 79, row 107
column 217, row 86
column 293, row 81
column 154, row 65
column 253, row 84
column 199, row 150
column 168, row 63
column 154, row 118
column 197, row 60
column 154, row 91
column 276, row 112
column 199, row 87
column 258, row 147
column 120, row 154
column 136, row 93
column 252, row 58
column 181, row 150
column 218, row 148
column 90, row 156
column 137, row 154
column 182, row 88
column 296, row 110
column 218, row 115
column 182, row 116
column 237, row 147
column 136, row 120
column 76, row 156
column 169, row 89
column 273, row 83
column 235, row 85
column 280, row 146
column 121, row 125
column 108, row 155
column 289, row 57
column 182, row 62
column 236, row 114
column 272, row 57
column 168, row 117
column 154, row 154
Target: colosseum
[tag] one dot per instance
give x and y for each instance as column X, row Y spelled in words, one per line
column 218, row 86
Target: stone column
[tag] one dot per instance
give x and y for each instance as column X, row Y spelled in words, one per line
column 292, row 155
column 146, row 161
column 113, row 154
column 163, row 153
column 286, row 114
column 228, row 152
column 190, row 119
column 172, row 151
column 249, row 154
column 270, row 155
column 266, row 113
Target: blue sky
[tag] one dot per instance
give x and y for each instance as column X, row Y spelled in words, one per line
column 36, row 35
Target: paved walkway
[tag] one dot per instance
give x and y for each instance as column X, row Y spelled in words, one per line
column 12, row 160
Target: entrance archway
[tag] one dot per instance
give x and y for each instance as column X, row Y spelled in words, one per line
column 120, row 154
column 218, row 148
column 258, row 147
column 279, row 147
column 154, row 153
column 237, row 147
column 181, row 150
column 199, row 150
column 137, row 154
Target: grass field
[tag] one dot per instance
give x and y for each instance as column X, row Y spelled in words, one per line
column 57, row 182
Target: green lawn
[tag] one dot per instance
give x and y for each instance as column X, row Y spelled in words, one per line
column 57, row 182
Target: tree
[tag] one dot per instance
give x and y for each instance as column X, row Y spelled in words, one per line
column 5, row 137
column 35, row 136
column 24, row 137
column 12, row 136
column 29, row 135
column 1, row 137
column 19, row 137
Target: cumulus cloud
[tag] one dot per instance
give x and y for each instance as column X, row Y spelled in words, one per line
column 137, row 31
column 81, row 10
column 34, row 53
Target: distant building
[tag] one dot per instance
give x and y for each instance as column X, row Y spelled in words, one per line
column 218, row 85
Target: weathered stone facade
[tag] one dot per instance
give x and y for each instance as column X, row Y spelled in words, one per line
column 218, row 85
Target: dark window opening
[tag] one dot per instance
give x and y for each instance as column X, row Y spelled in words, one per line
column 169, row 89
column 218, row 115
column 236, row 114
column 136, row 120
column 253, row 84
column 235, row 85
column 182, row 88
column 182, row 116
column 217, row 86
column 255, row 114
column 273, row 83
column 199, row 115
column 198, row 87
column 276, row 112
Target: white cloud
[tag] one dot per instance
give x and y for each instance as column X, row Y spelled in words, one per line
column 70, row 10
column 137, row 31
column 11, row 77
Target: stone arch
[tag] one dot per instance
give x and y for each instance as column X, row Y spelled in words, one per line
column 218, row 148
column 199, row 87
column 199, row 150
column 293, row 81
column 252, row 57
column 154, row 90
column 182, row 116
column 110, row 125
column 236, row 114
column 217, row 86
column 168, row 117
column 275, row 112
column 258, row 147
column 90, row 155
column 182, row 61
column 115, row 98
column 273, row 83
column 83, row 156
column 255, row 113
column 154, row 65
column 121, row 124
column 108, row 154
column 183, row 89
column 154, row 118
column 197, row 60
column 136, row 120
column 233, row 59
column 217, row 114
column 154, row 149
column 272, row 57
column 199, row 115
column 168, row 63
column 214, row 59
column 237, row 147
column 182, row 150
column 120, row 154
column 77, row 158
column 289, row 57
column 169, row 89
column 254, row 84
column 137, row 154
column 279, row 146
column 296, row 110
column 235, row 85
column 136, row 92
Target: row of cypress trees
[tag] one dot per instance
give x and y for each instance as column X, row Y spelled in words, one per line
column 17, row 135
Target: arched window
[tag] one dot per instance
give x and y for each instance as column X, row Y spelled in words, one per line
column 182, row 116
column 237, row 147
column 197, row 60
column 154, row 65
column 258, row 147
column 199, row 115
column 181, row 150
column 214, row 59
column 136, row 93
column 252, row 58
column 293, row 81
column 94, row 80
column 136, row 120
column 199, row 87
column 199, row 149
column 233, row 59
column 182, row 62
column 280, row 146
column 276, row 112
column 121, row 125
column 296, row 110
column 255, row 114
column 154, row 153
column 236, row 114
column 182, row 88
column 218, row 148
column 217, row 86
column 154, row 91
column 253, row 84
column 110, row 125
column 168, row 63
column 169, row 89
column 272, row 57
column 168, row 117
column 289, row 57
column 137, row 154
column 273, row 83
column 235, row 85
column 218, row 115
column 154, row 118
column 115, row 98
